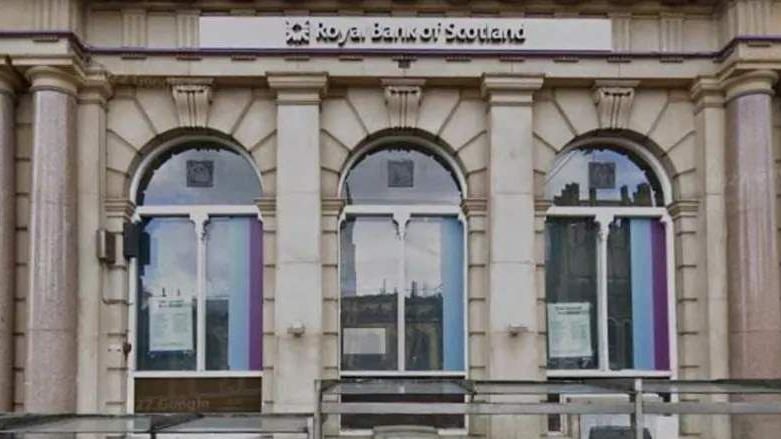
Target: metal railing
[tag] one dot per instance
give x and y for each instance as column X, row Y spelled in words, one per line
column 490, row 398
column 152, row 425
column 480, row 398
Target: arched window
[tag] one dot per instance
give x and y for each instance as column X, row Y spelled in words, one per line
column 608, row 273
column 402, row 271
column 197, row 280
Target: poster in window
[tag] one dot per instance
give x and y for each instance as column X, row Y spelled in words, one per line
column 170, row 324
column 602, row 175
column 401, row 173
column 569, row 330
column 363, row 341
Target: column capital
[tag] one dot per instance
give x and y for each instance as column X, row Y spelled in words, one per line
column 510, row 89
column 706, row 92
column 10, row 80
column 53, row 78
column 267, row 206
column 332, row 206
column 96, row 89
column 754, row 82
column 295, row 88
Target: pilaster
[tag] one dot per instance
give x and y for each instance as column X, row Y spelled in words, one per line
column 91, row 165
column 268, row 212
column 298, row 329
column 9, row 83
column 512, row 300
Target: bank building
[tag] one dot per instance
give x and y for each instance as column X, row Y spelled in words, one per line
column 390, row 219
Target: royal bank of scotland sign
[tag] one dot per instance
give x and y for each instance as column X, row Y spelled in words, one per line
column 405, row 33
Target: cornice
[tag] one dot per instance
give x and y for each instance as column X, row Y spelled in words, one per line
column 459, row 7
column 10, row 80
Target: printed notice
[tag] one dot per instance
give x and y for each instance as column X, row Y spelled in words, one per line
column 569, row 330
column 170, row 324
column 363, row 341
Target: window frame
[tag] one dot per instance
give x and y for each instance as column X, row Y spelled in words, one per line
column 199, row 215
column 604, row 216
column 400, row 215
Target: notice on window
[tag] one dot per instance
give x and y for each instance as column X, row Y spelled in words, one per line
column 569, row 330
column 170, row 324
column 363, row 341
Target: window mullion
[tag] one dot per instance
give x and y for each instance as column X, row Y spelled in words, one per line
column 401, row 218
column 602, row 312
column 200, row 219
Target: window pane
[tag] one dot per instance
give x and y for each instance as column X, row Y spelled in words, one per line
column 199, row 174
column 434, row 300
column 602, row 177
column 401, row 175
column 638, row 329
column 571, row 286
column 370, row 287
column 234, row 324
column 167, row 295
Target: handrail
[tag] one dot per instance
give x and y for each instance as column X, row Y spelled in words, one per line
column 480, row 397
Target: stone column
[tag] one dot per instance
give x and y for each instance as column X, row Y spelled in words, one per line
column 8, row 84
column 298, row 291
column 91, row 165
column 752, row 259
column 512, row 297
column 50, row 365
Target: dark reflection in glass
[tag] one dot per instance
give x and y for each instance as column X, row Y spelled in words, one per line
column 367, row 422
column 619, row 295
column 166, row 305
column 571, row 289
column 434, row 301
column 204, row 395
column 370, row 288
column 401, row 175
column 199, row 173
column 602, row 177
column 233, row 293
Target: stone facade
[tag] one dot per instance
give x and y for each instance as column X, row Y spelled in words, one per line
column 90, row 88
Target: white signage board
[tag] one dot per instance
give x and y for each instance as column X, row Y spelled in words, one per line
column 569, row 330
column 405, row 33
column 170, row 324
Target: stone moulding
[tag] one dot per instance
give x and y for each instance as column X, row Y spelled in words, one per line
column 402, row 98
column 193, row 98
column 614, row 102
